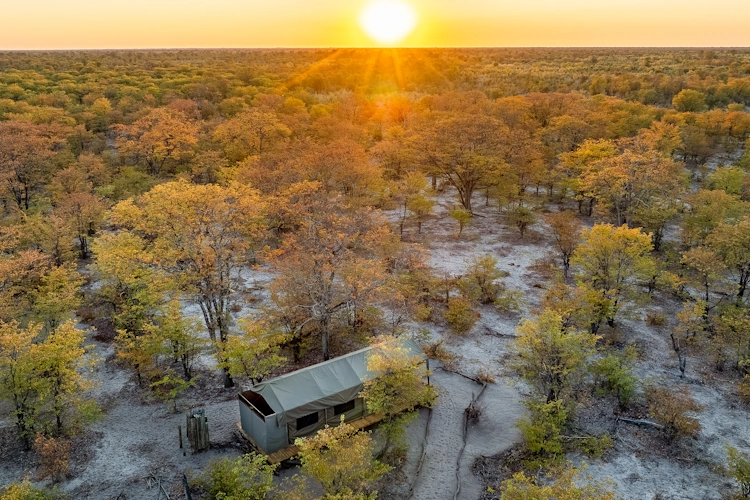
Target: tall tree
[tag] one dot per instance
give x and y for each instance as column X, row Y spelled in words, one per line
column 611, row 262
column 26, row 152
column 464, row 150
column 249, row 133
column 202, row 235
column 161, row 135
column 330, row 270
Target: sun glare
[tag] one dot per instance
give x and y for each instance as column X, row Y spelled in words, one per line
column 388, row 22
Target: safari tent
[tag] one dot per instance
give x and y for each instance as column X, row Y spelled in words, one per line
column 276, row 412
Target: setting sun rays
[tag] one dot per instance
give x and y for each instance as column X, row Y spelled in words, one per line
column 388, row 22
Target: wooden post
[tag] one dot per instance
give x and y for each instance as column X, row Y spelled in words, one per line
column 179, row 432
column 197, row 431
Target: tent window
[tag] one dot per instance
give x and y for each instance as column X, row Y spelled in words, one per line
column 343, row 408
column 307, row 420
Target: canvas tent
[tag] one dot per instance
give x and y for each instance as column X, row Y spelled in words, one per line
column 276, row 412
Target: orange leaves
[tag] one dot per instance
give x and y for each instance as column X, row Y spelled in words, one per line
column 161, row 135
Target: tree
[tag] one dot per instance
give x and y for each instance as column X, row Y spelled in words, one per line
column 84, row 213
column 421, row 207
column 566, row 230
column 729, row 179
column 542, row 430
column 248, row 477
column 689, row 100
column 552, row 357
column 462, row 216
column 521, row 217
column 255, row 353
column 464, row 149
column 247, row 133
column 625, row 182
column 480, row 282
column 610, row 262
column 202, row 235
column 706, row 210
column 57, row 296
column 412, row 191
column 398, row 388
column 26, row 153
column 18, row 382
column 573, row 164
column 43, row 378
column 130, row 285
column 161, row 135
column 708, row 275
column 26, row 491
column 732, row 244
column 62, row 363
column 330, row 271
column 341, row 459
column 177, row 338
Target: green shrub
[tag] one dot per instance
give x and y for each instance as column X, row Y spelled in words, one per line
column 614, row 375
column 595, row 446
column 248, row 477
column 542, row 432
column 460, row 315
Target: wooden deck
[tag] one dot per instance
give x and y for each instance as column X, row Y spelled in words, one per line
column 293, row 450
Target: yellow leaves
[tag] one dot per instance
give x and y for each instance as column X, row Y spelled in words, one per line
column 551, row 356
column 565, row 484
column 341, row 459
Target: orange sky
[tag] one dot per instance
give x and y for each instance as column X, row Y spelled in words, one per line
column 60, row 24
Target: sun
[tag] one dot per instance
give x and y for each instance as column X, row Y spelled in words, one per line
column 388, row 22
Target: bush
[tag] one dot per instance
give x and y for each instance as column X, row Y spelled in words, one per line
column 594, row 447
column 613, row 375
column 669, row 407
column 53, row 457
column 248, row 477
column 655, row 318
column 566, row 483
column 460, row 315
column 25, row 491
column 739, row 469
column 542, row 432
column 480, row 283
column 510, row 301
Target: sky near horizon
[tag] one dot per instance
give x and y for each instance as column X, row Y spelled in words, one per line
column 90, row 24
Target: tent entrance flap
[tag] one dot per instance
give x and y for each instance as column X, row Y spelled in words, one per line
column 257, row 403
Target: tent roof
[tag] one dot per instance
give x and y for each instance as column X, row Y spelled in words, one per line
column 320, row 386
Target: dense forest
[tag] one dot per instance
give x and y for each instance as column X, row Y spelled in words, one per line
column 565, row 231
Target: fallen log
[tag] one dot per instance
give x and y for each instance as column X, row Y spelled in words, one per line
column 640, row 422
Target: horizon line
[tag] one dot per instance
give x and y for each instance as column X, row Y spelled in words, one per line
column 333, row 47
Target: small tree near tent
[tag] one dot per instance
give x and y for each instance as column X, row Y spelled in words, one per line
column 255, row 353
column 341, row 459
column 398, row 388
